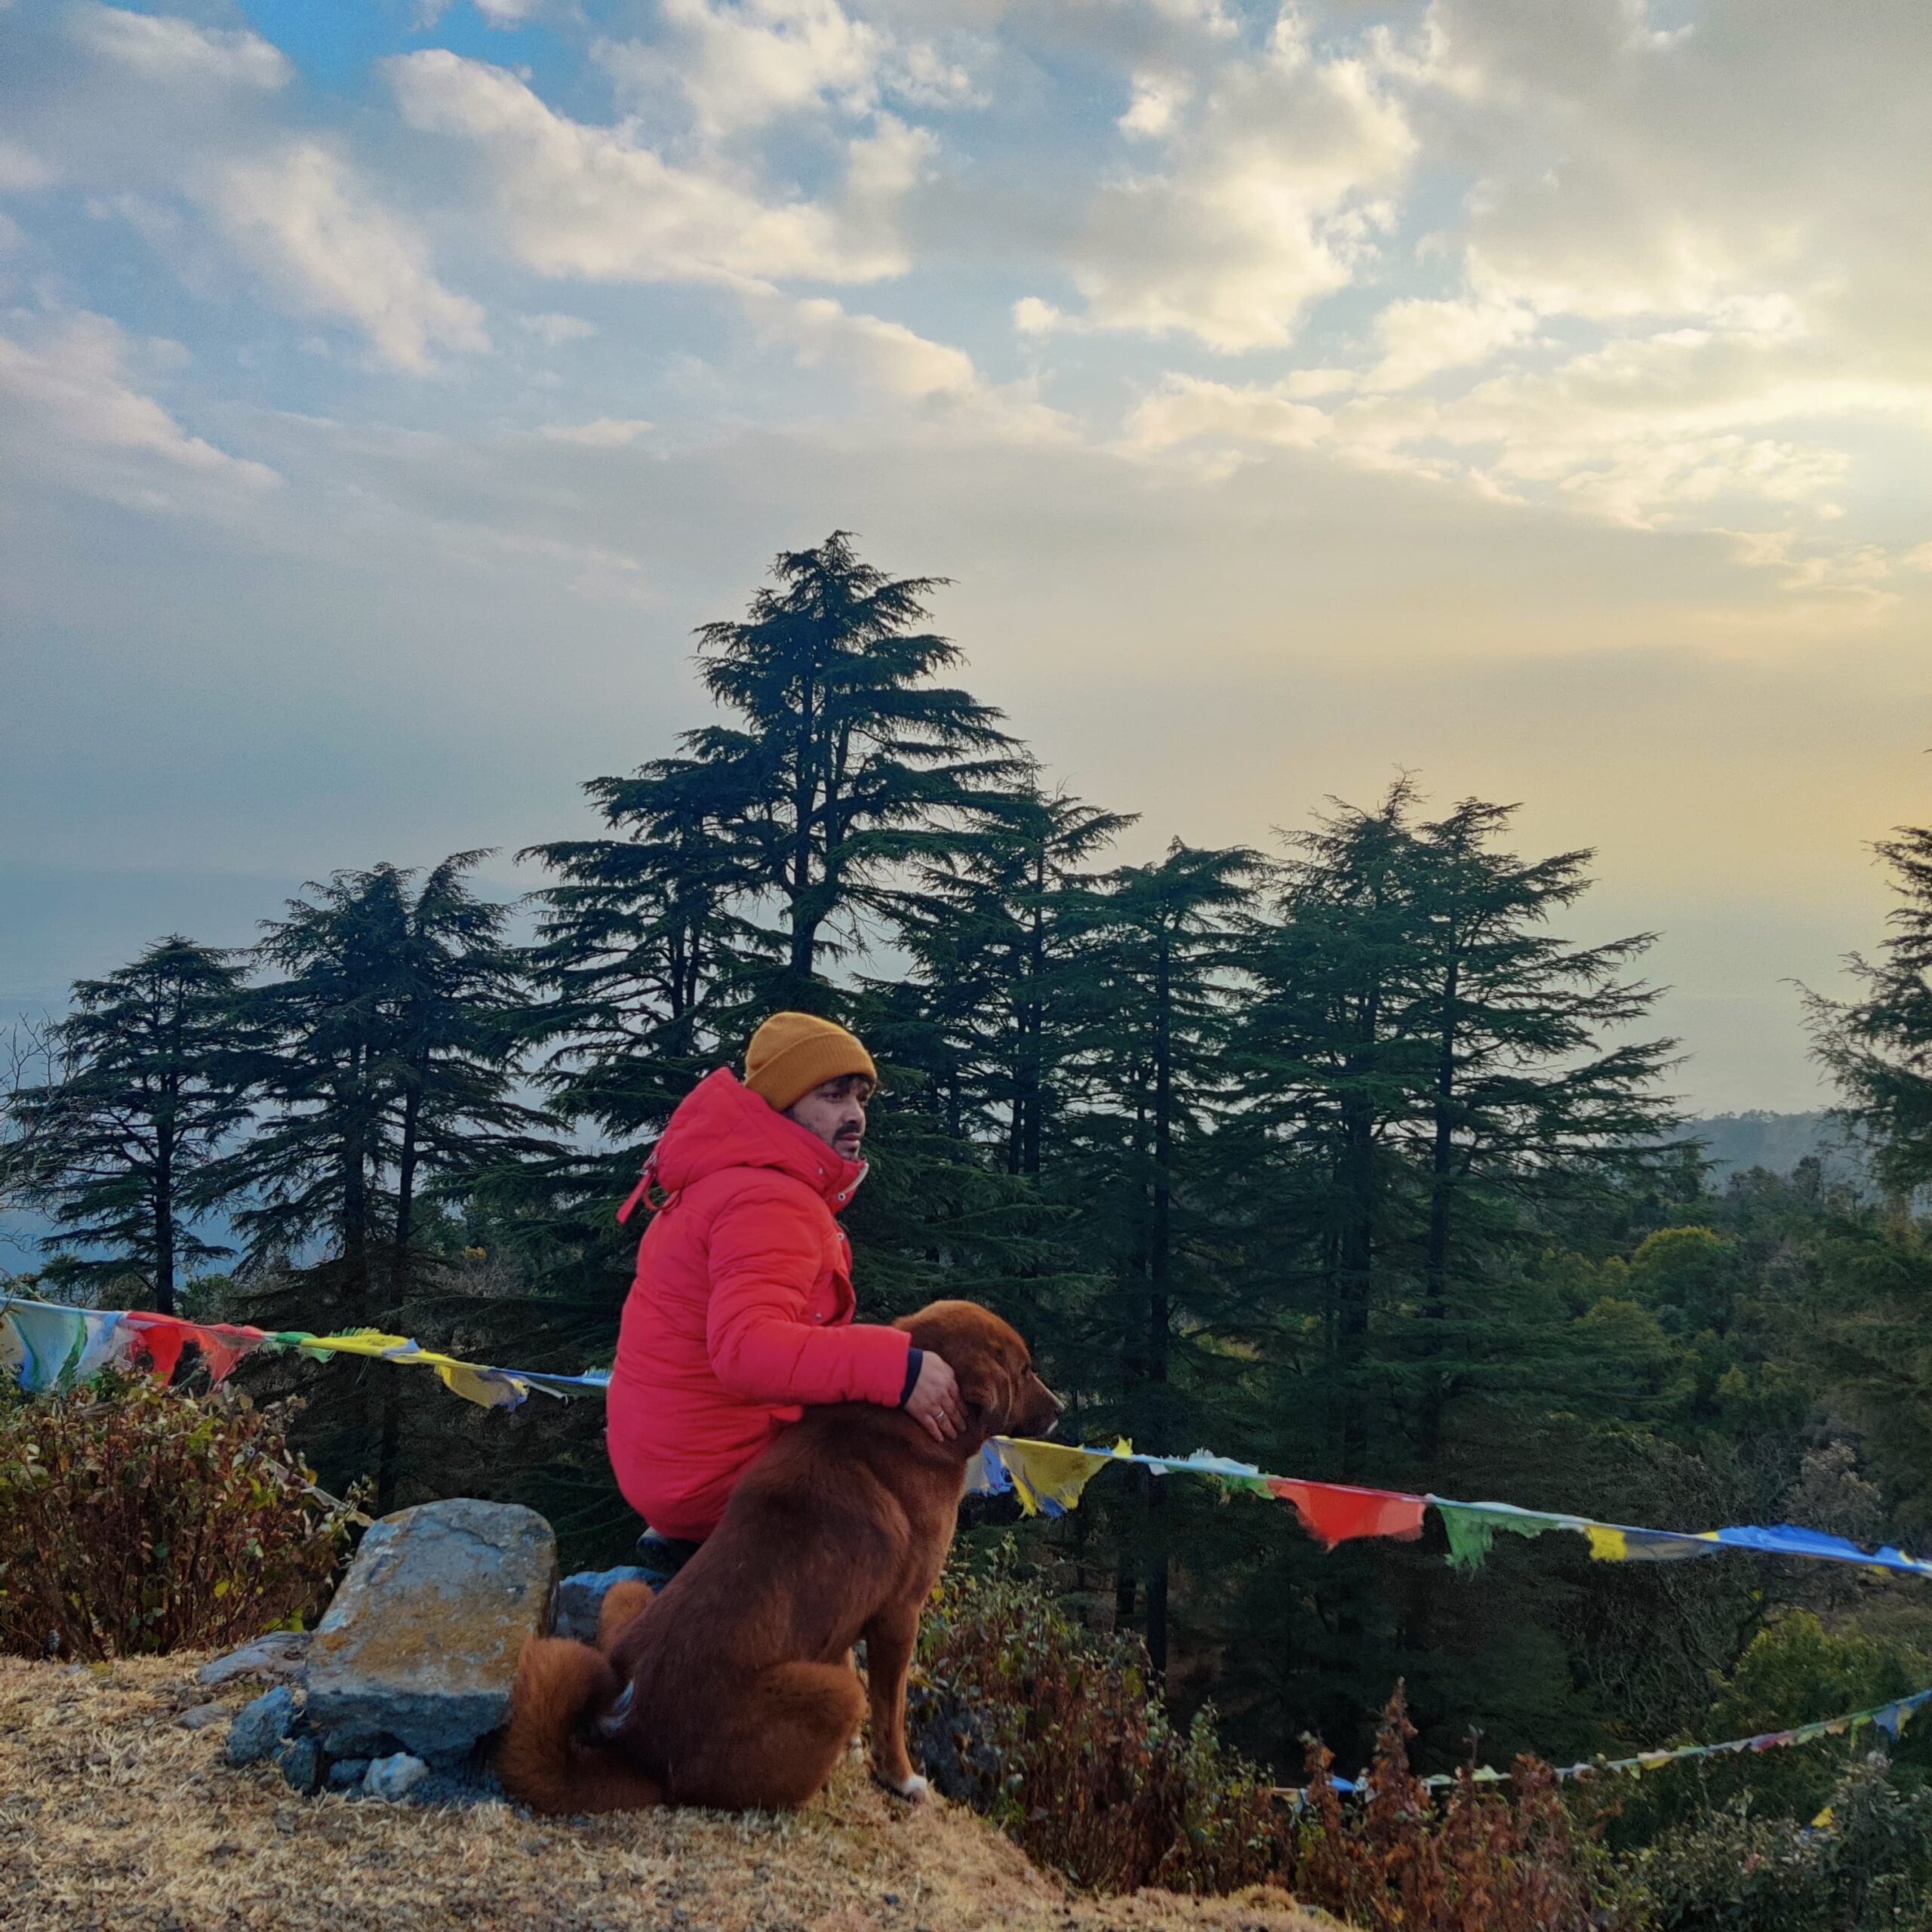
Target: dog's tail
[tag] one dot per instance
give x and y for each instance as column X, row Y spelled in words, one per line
column 552, row 1757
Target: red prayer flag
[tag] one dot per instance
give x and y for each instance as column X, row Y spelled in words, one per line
column 1334, row 1512
column 223, row 1344
column 159, row 1337
column 162, row 1338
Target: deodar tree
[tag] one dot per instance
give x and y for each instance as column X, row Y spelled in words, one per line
column 145, row 1093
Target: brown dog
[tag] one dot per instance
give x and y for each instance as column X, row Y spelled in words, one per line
column 734, row 1687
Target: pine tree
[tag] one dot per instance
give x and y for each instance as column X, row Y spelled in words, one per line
column 994, row 930
column 385, row 1055
column 1878, row 1047
column 1160, row 949
column 1330, row 1060
column 1529, row 1107
column 847, row 762
column 148, row 1094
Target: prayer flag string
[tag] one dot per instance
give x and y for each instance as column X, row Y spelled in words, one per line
column 48, row 1345
column 1048, row 1479
column 1891, row 1718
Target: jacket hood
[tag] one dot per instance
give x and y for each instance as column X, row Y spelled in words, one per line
column 722, row 1124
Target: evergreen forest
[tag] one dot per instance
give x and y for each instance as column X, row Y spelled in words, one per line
column 1334, row 1155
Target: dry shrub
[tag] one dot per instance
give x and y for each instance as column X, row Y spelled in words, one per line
column 135, row 1518
column 1400, row 1860
column 1074, row 1757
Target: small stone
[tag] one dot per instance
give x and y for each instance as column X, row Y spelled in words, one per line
column 282, row 1654
column 422, row 1641
column 581, row 1599
column 202, row 1716
column 301, row 1762
column 394, row 1778
column 260, row 1726
column 345, row 1774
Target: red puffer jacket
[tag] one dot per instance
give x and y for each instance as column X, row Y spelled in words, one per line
column 741, row 1312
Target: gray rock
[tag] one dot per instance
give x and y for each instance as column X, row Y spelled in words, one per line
column 301, row 1761
column 282, row 1654
column 202, row 1716
column 363, row 1744
column 581, row 1599
column 260, row 1726
column 422, row 1641
column 345, row 1774
column 393, row 1778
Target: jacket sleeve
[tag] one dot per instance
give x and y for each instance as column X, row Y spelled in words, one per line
column 765, row 1254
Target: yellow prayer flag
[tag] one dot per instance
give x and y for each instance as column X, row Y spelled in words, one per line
column 1608, row 1545
column 477, row 1385
column 1046, row 1475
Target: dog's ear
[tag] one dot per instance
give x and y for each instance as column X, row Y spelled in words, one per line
column 988, row 1386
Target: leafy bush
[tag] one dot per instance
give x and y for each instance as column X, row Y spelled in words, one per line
column 1400, row 1861
column 1055, row 1732
column 1868, row 1866
column 134, row 1518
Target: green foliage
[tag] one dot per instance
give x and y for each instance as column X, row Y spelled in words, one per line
column 1866, row 1865
column 136, row 1519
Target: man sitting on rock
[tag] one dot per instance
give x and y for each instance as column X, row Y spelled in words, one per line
column 741, row 1312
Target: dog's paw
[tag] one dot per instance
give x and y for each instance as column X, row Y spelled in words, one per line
column 912, row 1788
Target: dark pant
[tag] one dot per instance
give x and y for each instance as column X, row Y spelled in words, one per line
column 661, row 1558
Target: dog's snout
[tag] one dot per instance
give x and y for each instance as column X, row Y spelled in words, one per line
column 1047, row 1407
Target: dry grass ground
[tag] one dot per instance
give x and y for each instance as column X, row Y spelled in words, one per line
column 114, row 1819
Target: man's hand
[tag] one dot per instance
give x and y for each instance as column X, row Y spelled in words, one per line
column 934, row 1402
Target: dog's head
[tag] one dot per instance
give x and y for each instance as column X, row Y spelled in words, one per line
column 993, row 1366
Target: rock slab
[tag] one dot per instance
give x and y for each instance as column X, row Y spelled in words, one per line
column 580, row 1598
column 282, row 1654
column 421, row 1643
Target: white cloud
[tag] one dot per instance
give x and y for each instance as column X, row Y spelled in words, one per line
column 329, row 248
column 22, row 172
column 885, row 356
column 739, row 67
column 747, row 64
column 1158, row 99
column 606, row 432
column 165, row 48
column 1273, row 198
column 71, row 396
column 575, row 199
column 921, row 379
column 1421, row 339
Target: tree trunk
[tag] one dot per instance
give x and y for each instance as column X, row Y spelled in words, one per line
column 1160, row 1262
column 1436, row 1264
column 405, row 1174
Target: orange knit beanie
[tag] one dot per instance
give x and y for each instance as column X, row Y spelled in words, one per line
column 793, row 1053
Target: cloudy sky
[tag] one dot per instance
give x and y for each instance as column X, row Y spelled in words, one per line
column 1535, row 395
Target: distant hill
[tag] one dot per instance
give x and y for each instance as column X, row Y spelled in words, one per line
column 1777, row 1142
